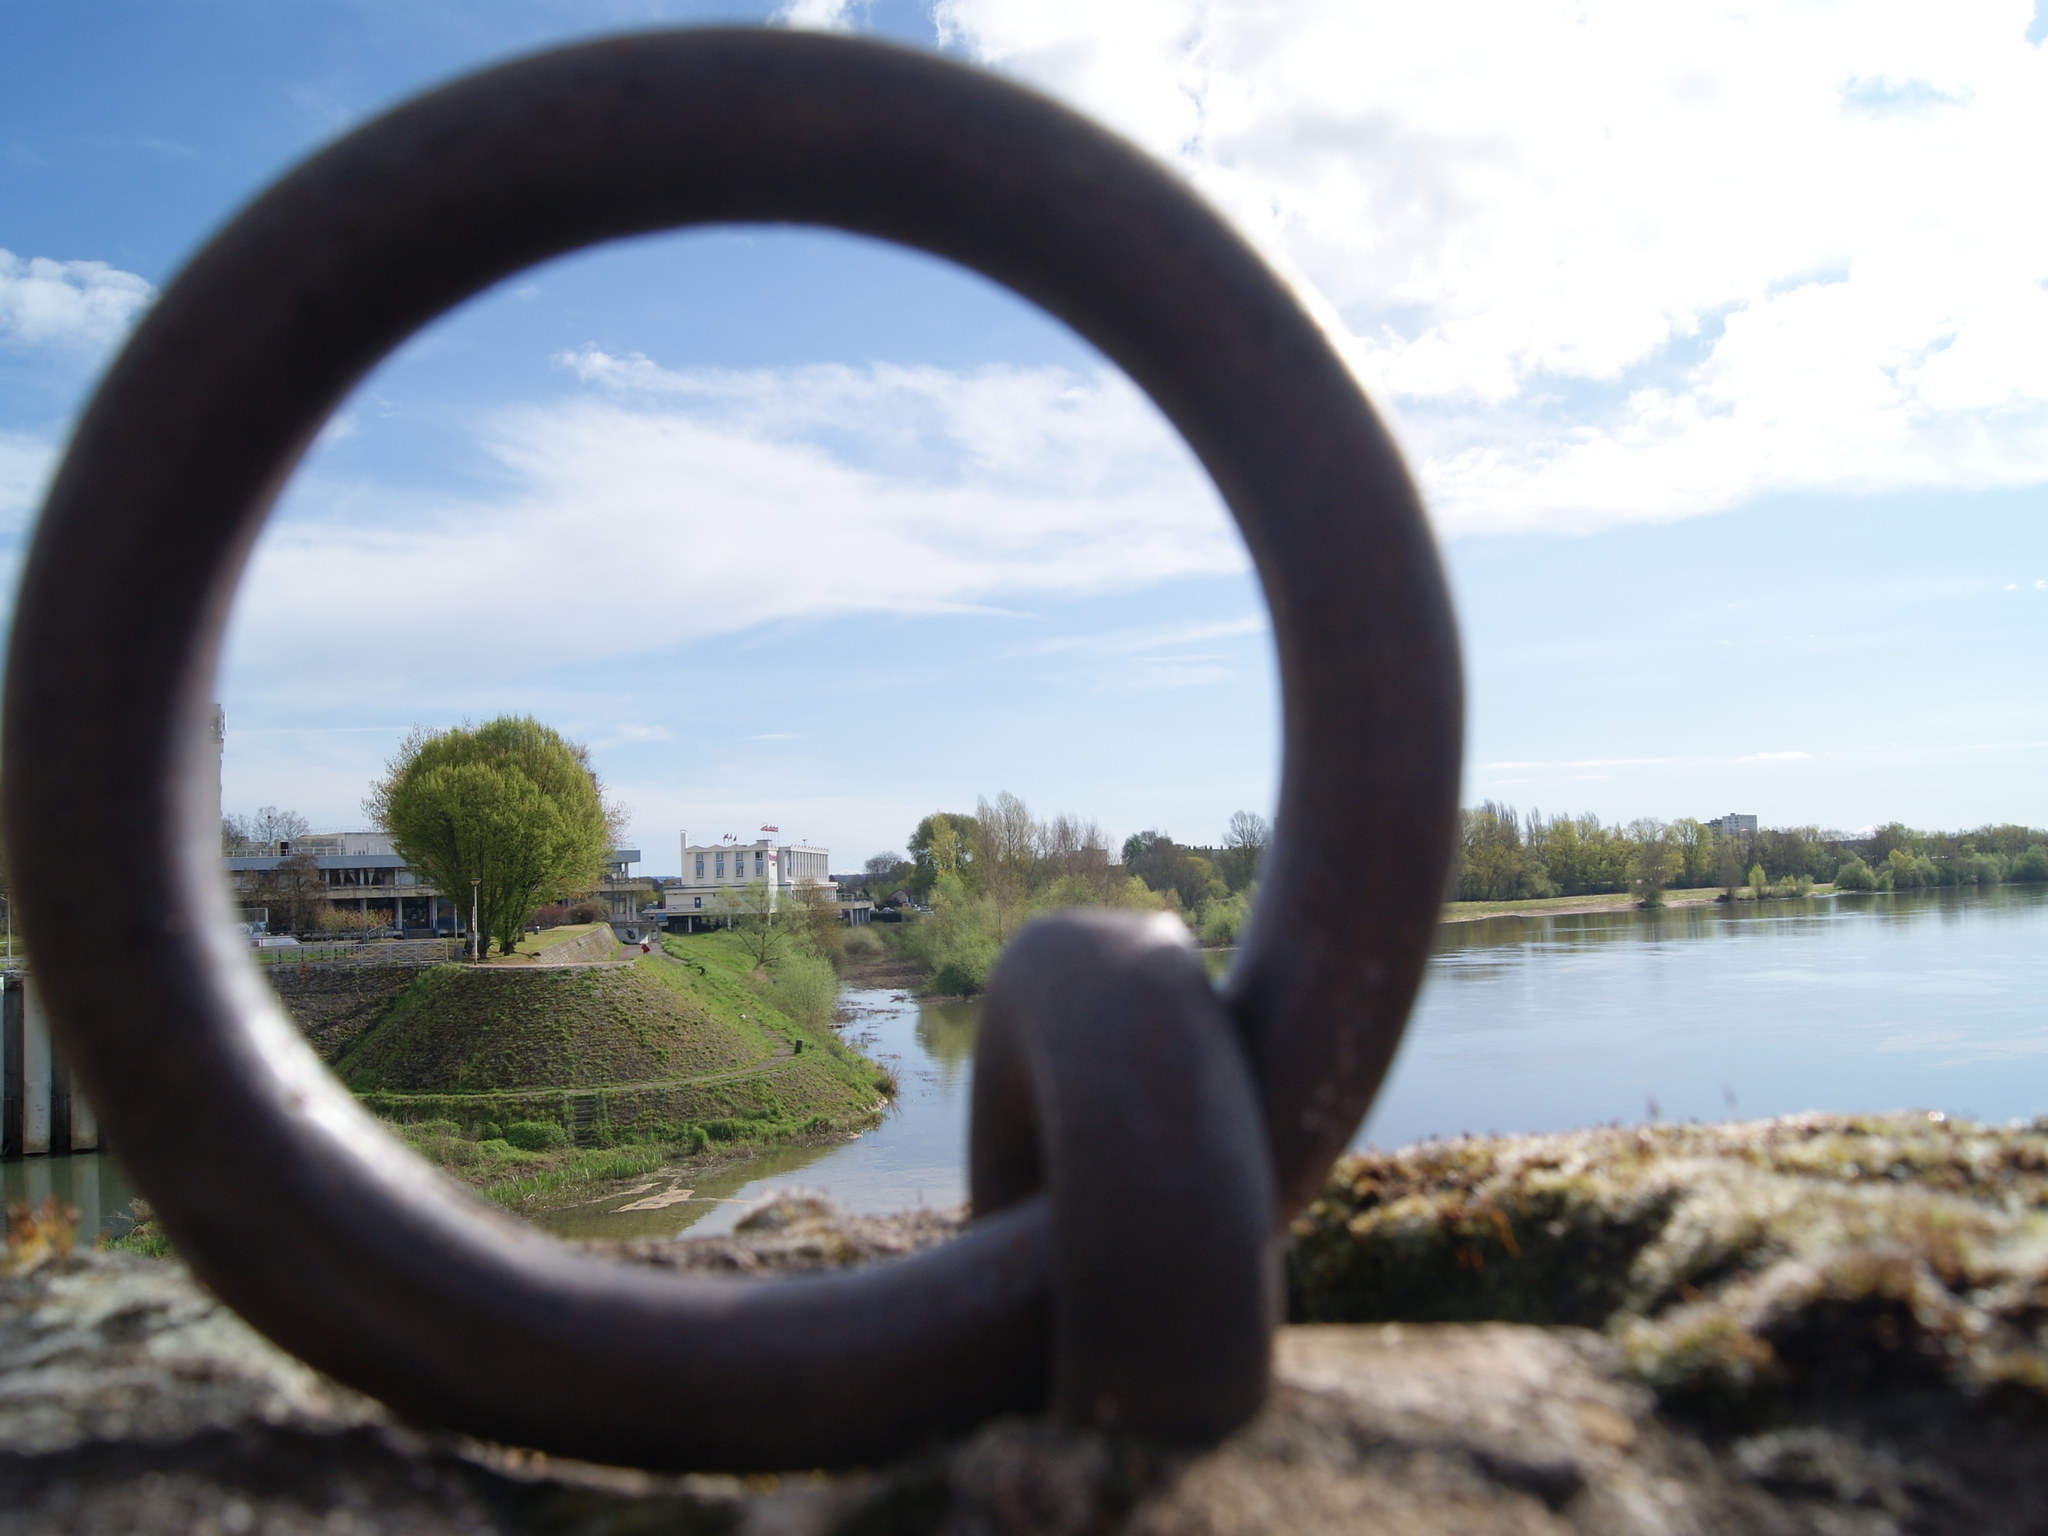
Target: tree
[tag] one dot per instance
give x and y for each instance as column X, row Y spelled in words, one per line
column 1655, row 856
column 749, row 911
column 295, row 891
column 941, row 845
column 260, row 834
column 814, row 915
column 1165, row 865
column 1005, row 850
column 1244, row 849
column 508, row 804
column 887, row 873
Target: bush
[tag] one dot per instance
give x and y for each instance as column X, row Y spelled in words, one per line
column 1855, row 875
column 806, row 988
column 2031, row 866
column 586, row 912
column 1222, row 919
column 863, row 944
column 963, row 969
column 536, row 1135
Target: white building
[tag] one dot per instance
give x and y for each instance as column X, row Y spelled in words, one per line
column 714, row 875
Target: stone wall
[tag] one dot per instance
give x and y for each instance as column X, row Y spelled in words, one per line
column 593, row 948
column 335, row 1003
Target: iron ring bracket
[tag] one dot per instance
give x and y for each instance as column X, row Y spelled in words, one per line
column 279, row 1190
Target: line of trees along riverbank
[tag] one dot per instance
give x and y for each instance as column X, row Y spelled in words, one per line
column 1506, row 856
column 984, row 874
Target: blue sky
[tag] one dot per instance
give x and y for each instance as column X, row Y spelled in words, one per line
column 1718, row 340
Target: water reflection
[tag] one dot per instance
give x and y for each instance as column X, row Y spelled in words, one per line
column 89, row 1181
column 1848, row 1003
column 1931, row 1000
column 917, row 1156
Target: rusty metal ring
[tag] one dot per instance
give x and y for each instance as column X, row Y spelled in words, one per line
column 275, row 1185
column 1108, row 1074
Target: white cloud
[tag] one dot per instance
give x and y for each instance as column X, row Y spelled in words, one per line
column 79, row 306
column 1608, row 261
column 815, row 15
column 727, row 500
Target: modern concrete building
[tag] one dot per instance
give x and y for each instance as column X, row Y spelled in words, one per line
column 362, row 872
column 716, row 874
column 1733, row 825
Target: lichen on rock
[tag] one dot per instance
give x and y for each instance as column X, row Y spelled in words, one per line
column 1742, row 1269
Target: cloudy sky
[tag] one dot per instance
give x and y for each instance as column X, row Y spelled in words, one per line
column 1717, row 338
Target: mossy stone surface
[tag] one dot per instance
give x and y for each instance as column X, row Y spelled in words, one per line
column 1743, row 1270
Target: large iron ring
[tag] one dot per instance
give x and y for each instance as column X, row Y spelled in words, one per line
column 280, row 1191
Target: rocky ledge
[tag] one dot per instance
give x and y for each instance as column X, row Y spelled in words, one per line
column 1813, row 1325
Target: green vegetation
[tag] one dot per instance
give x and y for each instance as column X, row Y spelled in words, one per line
column 1504, row 856
column 508, row 804
column 983, row 875
column 532, row 1082
column 987, row 874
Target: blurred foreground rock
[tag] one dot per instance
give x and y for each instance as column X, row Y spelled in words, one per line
column 1805, row 1326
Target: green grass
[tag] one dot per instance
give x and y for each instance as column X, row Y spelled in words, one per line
column 458, row 1029
column 680, row 1054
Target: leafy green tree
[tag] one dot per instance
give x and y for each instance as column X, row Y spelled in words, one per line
column 2031, row 866
column 509, row 804
column 941, row 845
column 1655, row 856
column 1854, row 875
column 1165, row 865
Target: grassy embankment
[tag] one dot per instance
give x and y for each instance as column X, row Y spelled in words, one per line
column 533, row 1083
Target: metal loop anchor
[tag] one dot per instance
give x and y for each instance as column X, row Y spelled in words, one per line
column 1108, row 1075
column 282, row 1193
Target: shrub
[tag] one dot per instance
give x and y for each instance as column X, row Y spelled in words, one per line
column 2030, row 866
column 862, row 943
column 964, row 970
column 806, row 988
column 1855, row 875
column 1222, row 919
column 586, row 912
column 536, row 1135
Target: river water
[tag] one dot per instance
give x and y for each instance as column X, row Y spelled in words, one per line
column 1932, row 1001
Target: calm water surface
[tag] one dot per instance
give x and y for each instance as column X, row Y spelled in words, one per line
column 90, row 1181
column 1936, row 1001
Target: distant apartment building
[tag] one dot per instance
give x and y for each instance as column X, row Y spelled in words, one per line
column 1733, row 825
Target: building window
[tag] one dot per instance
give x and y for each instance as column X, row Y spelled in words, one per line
column 698, row 900
column 759, row 868
column 700, row 866
column 721, row 866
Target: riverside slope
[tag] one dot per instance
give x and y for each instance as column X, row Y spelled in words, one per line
column 651, row 1049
